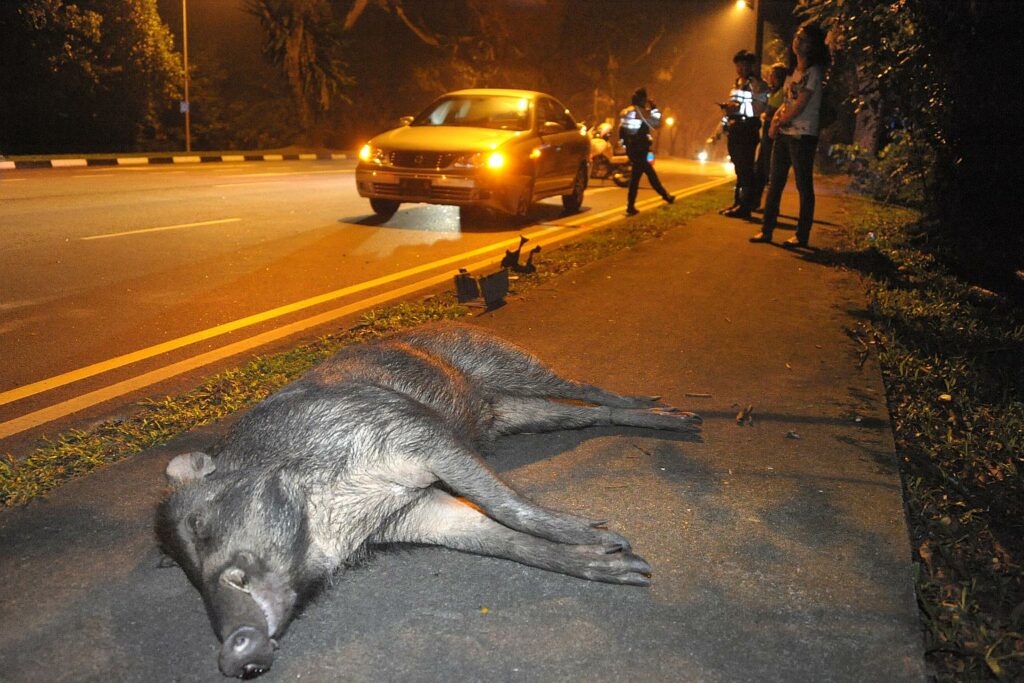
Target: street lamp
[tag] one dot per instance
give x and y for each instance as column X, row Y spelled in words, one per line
column 758, row 7
column 184, row 49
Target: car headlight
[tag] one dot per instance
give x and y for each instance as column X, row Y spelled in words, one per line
column 371, row 154
column 495, row 161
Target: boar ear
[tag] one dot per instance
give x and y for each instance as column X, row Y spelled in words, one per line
column 189, row 467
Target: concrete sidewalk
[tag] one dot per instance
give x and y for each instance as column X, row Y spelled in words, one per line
column 775, row 558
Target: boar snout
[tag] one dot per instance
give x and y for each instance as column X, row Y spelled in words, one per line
column 246, row 653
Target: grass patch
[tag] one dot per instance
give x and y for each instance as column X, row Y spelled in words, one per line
column 952, row 357
column 154, row 422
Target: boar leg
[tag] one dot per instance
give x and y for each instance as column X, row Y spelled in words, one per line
column 515, row 415
column 466, row 473
column 440, row 519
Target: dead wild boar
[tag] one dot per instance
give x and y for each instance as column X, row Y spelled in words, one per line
column 367, row 449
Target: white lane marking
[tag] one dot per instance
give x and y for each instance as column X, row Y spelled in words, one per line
column 286, row 173
column 161, row 229
column 256, row 182
column 56, row 411
column 12, row 180
column 602, row 189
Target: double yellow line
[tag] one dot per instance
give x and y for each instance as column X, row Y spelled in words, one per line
column 547, row 235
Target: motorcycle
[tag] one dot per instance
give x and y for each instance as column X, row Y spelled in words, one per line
column 608, row 160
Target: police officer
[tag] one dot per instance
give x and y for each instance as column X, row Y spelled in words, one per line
column 747, row 101
column 635, row 124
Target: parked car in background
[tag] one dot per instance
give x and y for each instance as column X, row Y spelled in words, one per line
column 487, row 148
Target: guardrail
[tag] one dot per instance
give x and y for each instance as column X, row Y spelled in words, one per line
column 201, row 158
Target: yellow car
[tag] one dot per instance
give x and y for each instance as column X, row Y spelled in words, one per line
column 484, row 148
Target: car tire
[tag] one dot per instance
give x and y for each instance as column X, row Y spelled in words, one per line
column 620, row 176
column 473, row 216
column 524, row 203
column 572, row 202
column 385, row 208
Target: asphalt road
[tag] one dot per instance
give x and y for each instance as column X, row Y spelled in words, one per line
column 121, row 282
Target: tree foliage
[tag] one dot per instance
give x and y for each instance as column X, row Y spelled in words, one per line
column 931, row 70
column 305, row 39
column 86, row 75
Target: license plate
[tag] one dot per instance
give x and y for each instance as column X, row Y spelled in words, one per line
column 414, row 186
column 446, row 181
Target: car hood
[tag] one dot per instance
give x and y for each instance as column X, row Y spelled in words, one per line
column 444, row 138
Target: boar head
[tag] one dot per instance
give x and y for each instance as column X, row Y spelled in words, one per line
column 241, row 537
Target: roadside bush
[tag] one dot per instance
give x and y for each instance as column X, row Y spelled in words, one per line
column 901, row 173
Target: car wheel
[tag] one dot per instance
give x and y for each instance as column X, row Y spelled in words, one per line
column 524, row 203
column 385, row 208
column 621, row 175
column 472, row 216
column 573, row 202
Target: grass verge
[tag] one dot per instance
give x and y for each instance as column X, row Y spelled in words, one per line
column 154, row 422
column 952, row 357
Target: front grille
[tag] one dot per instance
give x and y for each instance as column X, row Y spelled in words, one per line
column 436, row 160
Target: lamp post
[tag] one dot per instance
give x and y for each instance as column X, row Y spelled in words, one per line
column 759, row 34
column 184, row 50
column 758, row 7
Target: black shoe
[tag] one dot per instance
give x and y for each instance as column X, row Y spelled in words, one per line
column 631, row 211
column 737, row 213
column 793, row 243
column 669, row 199
column 761, row 238
column 728, row 209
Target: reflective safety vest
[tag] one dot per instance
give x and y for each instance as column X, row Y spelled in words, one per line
column 750, row 96
column 634, row 121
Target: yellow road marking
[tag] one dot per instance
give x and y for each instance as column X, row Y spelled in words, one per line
column 161, row 229
column 586, row 223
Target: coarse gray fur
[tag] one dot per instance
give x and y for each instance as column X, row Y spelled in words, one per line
column 368, row 448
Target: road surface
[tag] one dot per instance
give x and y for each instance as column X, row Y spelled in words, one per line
column 117, row 282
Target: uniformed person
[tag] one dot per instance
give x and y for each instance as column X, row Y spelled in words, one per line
column 747, row 101
column 635, row 124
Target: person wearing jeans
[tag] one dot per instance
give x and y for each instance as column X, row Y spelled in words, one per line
column 795, row 131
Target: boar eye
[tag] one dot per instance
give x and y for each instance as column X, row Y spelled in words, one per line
column 196, row 526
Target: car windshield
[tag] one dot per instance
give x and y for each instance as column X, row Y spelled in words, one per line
column 478, row 111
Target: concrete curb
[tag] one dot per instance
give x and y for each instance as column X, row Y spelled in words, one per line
column 10, row 164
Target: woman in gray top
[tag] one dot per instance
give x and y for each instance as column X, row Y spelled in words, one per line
column 794, row 127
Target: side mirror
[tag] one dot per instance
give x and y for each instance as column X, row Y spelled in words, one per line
column 551, row 127
column 405, row 120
